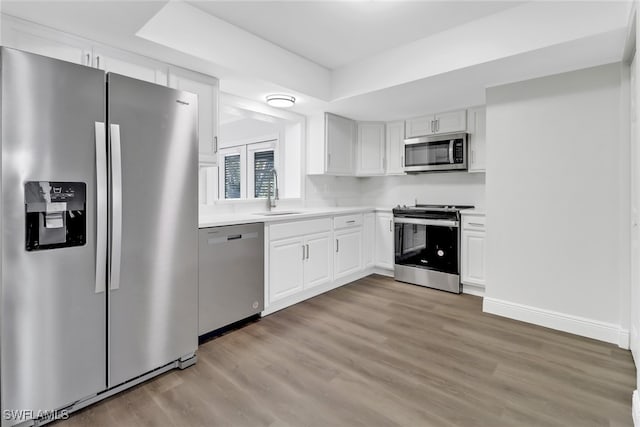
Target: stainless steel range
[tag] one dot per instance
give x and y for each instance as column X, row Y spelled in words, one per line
column 427, row 245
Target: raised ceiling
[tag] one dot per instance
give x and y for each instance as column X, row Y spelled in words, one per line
column 335, row 33
column 368, row 60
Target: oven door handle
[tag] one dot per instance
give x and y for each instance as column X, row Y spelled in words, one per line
column 419, row 221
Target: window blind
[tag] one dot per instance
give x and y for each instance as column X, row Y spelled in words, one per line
column 262, row 165
column 232, row 177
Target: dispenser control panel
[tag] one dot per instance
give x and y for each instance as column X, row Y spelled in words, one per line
column 55, row 214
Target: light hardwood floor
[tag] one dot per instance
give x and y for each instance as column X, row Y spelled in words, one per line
column 381, row 353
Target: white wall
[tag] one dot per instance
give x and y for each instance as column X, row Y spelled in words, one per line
column 330, row 191
column 557, row 202
column 247, row 129
column 459, row 188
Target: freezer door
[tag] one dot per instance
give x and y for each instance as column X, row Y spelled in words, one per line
column 53, row 311
column 154, row 226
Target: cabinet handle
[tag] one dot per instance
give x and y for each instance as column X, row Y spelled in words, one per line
column 432, row 126
column 88, row 59
column 98, row 62
column 303, row 253
column 351, row 221
column 215, row 144
column 307, row 251
column 390, row 226
column 476, row 224
column 437, row 125
column 337, row 245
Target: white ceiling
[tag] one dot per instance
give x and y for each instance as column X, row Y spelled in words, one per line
column 335, row 33
column 345, row 35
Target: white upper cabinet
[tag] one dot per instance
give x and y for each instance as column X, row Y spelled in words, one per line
column 395, row 148
column 477, row 139
column 371, row 149
column 452, row 121
column 22, row 35
column 206, row 87
column 130, row 65
column 340, row 139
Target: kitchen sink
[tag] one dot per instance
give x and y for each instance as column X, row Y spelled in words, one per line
column 275, row 213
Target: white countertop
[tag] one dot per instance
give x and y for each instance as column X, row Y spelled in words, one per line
column 248, row 217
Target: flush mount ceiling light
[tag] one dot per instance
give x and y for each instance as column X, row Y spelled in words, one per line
column 280, row 101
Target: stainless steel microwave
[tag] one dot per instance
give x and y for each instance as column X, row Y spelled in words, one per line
column 436, row 153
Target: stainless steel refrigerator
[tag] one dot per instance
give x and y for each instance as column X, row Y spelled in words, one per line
column 99, row 233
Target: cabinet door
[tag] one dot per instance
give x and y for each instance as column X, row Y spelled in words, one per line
column 384, row 241
column 348, row 252
column 53, row 44
column 454, row 121
column 368, row 240
column 395, row 148
column 340, row 139
column 285, row 268
column 115, row 61
column 206, row 87
column 317, row 266
column 419, row 126
column 477, row 139
column 371, row 148
column 473, row 257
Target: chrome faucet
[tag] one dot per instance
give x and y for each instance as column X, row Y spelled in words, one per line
column 273, row 188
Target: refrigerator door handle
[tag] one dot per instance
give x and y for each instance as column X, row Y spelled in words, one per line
column 101, row 207
column 116, row 204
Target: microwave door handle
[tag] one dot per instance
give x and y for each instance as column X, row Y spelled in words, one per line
column 451, row 144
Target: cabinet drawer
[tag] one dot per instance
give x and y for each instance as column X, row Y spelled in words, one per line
column 473, row 222
column 298, row 228
column 345, row 221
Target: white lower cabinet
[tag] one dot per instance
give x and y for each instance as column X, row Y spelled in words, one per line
column 369, row 240
column 473, row 251
column 317, row 263
column 286, row 274
column 299, row 257
column 384, row 240
column 347, row 258
column 308, row 257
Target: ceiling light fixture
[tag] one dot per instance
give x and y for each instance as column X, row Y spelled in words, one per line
column 280, row 101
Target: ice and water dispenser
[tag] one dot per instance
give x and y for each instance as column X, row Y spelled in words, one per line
column 55, row 214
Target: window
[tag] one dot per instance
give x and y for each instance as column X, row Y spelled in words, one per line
column 262, row 166
column 232, row 177
column 245, row 170
column 232, row 172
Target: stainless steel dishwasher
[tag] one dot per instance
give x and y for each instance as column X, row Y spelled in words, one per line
column 230, row 275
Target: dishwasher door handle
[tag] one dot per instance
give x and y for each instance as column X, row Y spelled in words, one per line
column 230, row 237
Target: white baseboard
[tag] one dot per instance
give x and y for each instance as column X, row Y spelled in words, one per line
column 589, row 328
column 471, row 289
column 315, row 291
column 383, row 271
column 635, row 408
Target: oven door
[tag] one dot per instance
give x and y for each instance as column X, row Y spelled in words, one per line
column 430, row 244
